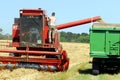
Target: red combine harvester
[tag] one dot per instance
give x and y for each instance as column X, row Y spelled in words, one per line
column 33, row 50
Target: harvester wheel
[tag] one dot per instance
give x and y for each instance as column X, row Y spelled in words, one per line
column 65, row 61
column 66, row 65
column 64, row 55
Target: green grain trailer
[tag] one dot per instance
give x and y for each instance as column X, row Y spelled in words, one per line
column 105, row 47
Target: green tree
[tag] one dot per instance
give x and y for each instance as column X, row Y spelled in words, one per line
column 74, row 37
column 1, row 30
column 84, row 39
column 5, row 36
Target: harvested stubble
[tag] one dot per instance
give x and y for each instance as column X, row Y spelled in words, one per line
column 78, row 54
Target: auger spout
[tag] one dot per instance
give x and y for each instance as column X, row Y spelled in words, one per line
column 79, row 22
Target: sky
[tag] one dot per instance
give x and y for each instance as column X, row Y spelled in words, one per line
column 66, row 11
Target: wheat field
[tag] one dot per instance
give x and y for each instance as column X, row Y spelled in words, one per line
column 79, row 68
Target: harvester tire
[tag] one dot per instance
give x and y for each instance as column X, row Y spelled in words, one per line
column 65, row 61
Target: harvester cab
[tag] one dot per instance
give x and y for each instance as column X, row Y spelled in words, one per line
column 30, row 43
column 31, row 29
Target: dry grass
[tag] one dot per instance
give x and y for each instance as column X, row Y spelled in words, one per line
column 77, row 52
column 80, row 68
column 5, row 44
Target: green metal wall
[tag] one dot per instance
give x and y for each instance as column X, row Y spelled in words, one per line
column 105, row 42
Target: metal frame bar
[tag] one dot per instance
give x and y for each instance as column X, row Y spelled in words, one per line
column 36, row 60
column 30, row 52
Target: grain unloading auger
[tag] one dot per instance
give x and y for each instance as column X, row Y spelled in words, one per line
column 31, row 42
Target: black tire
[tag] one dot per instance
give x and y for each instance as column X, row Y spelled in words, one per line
column 95, row 68
column 95, row 72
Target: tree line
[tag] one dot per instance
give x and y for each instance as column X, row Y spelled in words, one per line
column 5, row 36
column 74, row 37
column 64, row 37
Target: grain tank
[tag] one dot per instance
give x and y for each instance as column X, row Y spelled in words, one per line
column 105, row 47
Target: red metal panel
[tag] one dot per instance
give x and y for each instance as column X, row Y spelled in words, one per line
column 15, row 35
column 15, row 44
column 30, row 52
column 57, row 40
column 31, row 12
column 46, row 32
column 37, row 60
column 15, row 31
column 79, row 22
